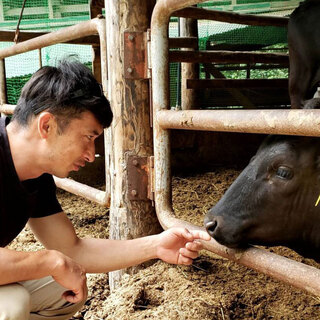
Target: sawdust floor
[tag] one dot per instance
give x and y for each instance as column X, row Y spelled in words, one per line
column 213, row 288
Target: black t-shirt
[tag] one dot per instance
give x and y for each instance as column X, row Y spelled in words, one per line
column 20, row 201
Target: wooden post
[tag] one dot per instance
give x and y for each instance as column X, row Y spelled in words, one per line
column 2, row 15
column 95, row 10
column 130, row 134
column 188, row 28
column 54, row 9
column 3, row 95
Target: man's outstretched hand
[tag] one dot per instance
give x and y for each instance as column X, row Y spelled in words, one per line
column 180, row 245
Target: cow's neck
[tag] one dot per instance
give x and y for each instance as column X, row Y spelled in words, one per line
column 308, row 244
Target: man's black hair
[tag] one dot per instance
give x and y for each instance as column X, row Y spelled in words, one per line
column 66, row 91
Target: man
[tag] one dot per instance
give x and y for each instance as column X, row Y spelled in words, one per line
column 59, row 115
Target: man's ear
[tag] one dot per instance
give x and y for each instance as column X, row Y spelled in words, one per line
column 46, row 124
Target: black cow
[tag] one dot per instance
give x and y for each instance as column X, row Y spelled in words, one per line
column 273, row 201
column 304, row 53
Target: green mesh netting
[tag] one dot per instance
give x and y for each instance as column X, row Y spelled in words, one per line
column 51, row 15
column 46, row 16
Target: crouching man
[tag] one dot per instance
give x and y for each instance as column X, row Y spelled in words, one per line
column 60, row 113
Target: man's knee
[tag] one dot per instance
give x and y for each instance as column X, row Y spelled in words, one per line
column 47, row 301
column 14, row 302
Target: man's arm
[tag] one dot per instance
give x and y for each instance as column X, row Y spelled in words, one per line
column 18, row 266
column 176, row 245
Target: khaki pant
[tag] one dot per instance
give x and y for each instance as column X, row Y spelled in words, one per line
column 35, row 300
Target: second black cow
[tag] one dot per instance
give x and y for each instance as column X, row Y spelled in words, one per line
column 273, row 201
column 304, row 54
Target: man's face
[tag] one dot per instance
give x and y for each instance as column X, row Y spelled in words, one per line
column 75, row 146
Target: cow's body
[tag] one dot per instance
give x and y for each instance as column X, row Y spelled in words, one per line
column 272, row 202
column 304, row 52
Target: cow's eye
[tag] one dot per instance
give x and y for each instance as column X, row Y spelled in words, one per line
column 284, row 173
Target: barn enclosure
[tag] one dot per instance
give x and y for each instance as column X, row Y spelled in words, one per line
column 191, row 85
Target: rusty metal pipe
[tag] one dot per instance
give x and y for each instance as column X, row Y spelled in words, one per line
column 294, row 273
column 160, row 96
column 297, row 274
column 87, row 28
column 237, row 83
column 94, row 26
column 289, row 121
column 7, row 108
column 80, row 30
column 289, row 271
column 83, row 190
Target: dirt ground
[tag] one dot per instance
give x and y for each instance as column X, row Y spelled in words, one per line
column 212, row 288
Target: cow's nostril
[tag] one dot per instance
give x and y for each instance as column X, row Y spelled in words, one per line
column 211, row 226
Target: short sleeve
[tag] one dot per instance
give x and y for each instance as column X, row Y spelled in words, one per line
column 46, row 202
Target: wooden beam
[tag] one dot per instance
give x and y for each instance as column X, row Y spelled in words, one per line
column 74, row 8
column 27, row 11
column 49, row 11
column 262, row 98
column 34, row 24
column 237, row 83
column 7, row 36
column 232, row 17
column 253, row 67
column 183, row 42
column 256, row 7
column 228, row 57
column 235, row 92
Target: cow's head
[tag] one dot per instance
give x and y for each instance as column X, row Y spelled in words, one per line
column 272, row 202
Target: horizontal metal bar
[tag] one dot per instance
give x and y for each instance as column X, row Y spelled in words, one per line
column 292, row 272
column 7, row 108
column 82, row 29
column 288, row 121
column 232, row 17
column 236, row 83
column 228, row 57
column 90, row 193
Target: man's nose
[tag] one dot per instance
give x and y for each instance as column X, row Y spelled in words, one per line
column 90, row 153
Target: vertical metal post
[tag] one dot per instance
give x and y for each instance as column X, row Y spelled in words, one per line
column 188, row 28
column 292, row 272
